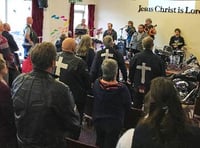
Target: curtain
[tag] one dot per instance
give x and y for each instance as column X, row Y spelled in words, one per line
column 37, row 15
column 91, row 13
column 71, row 19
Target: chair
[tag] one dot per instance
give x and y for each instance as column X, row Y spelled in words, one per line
column 87, row 115
column 132, row 117
column 77, row 144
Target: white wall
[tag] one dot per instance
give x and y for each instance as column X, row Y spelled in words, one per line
column 120, row 11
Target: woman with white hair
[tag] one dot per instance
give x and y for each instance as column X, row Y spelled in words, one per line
column 111, row 101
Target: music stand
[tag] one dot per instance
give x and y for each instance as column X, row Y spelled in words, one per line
column 80, row 31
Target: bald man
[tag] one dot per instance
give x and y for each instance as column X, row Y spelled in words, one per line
column 73, row 71
column 30, row 36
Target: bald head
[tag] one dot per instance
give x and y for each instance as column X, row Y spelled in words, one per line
column 69, row 44
column 29, row 20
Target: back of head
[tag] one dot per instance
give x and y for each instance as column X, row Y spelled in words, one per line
column 163, row 93
column 43, row 55
column 6, row 27
column 69, row 44
column 147, row 43
column 109, row 69
column 85, row 44
column 166, row 117
column 108, row 41
column 63, row 36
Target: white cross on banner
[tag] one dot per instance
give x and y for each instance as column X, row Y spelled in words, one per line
column 143, row 68
column 107, row 54
column 60, row 65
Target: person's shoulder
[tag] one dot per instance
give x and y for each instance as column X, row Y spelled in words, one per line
column 5, row 33
column 100, row 52
column 59, row 86
column 143, row 128
column 125, row 140
column 79, row 59
column 138, row 55
column 91, row 50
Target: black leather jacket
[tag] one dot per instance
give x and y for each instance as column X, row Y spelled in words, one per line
column 44, row 109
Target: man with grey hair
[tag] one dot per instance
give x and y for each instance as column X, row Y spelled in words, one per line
column 107, row 53
column 144, row 66
column 109, row 69
column 111, row 101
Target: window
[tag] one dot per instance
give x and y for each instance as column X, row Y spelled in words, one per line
column 15, row 14
column 80, row 12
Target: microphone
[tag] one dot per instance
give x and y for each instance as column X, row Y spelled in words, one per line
column 124, row 27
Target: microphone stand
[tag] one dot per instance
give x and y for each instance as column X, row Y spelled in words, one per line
column 121, row 32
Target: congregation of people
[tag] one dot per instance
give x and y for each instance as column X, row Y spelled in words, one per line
column 43, row 99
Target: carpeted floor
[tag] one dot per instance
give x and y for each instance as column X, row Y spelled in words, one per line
column 88, row 135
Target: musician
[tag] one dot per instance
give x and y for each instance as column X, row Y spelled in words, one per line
column 82, row 25
column 79, row 34
column 136, row 39
column 148, row 22
column 110, row 31
column 149, row 28
column 177, row 41
column 144, row 66
column 130, row 30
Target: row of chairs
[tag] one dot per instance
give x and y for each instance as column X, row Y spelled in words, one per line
column 131, row 119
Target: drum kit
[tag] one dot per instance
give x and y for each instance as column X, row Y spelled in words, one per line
column 172, row 58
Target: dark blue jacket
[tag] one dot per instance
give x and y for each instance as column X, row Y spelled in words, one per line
column 110, row 102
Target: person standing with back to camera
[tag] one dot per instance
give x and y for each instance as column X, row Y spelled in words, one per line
column 144, row 66
column 166, row 125
column 111, row 101
column 8, row 137
column 44, row 108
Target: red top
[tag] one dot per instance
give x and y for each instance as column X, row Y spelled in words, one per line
column 27, row 65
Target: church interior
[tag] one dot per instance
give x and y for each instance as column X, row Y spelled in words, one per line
column 99, row 73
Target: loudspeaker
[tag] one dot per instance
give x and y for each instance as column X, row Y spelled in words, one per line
column 43, row 3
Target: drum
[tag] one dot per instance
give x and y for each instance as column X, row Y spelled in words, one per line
column 177, row 57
